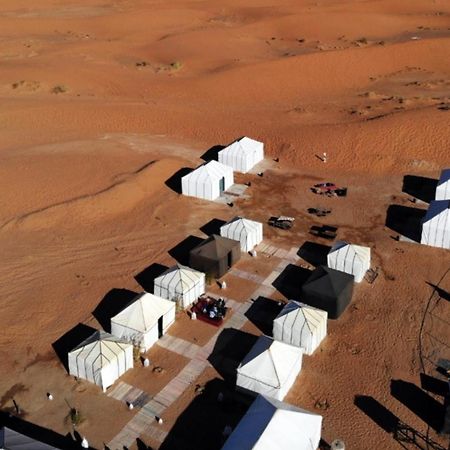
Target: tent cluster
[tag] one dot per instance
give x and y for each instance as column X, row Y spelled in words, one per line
column 210, row 180
column 436, row 223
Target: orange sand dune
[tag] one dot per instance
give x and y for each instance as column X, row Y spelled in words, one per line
column 102, row 102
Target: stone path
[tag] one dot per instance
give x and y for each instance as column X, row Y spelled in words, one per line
column 144, row 421
column 246, row 275
column 180, row 346
column 124, row 392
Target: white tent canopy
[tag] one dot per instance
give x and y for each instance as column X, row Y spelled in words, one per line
column 270, row 368
column 242, row 154
column 273, row 425
column 443, row 186
column 144, row 321
column 349, row 258
column 13, row 440
column 180, row 284
column 101, row 359
column 301, row 325
column 207, row 181
column 436, row 224
column 248, row 232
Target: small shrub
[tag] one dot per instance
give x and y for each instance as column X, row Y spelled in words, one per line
column 363, row 40
column 75, row 417
column 176, row 65
column 59, row 89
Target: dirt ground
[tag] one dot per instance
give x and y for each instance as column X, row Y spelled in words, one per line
column 101, row 104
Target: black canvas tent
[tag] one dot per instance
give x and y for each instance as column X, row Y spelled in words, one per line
column 328, row 289
column 215, row 255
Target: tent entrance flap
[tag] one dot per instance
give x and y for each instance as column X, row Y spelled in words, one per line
column 230, row 260
column 160, row 327
column 222, row 185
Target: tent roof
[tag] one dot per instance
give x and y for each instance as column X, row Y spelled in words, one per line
column 183, row 276
column 299, row 313
column 351, row 250
column 15, row 440
column 101, row 348
column 211, row 171
column 241, row 225
column 272, row 424
column 436, row 208
column 325, row 280
column 445, row 176
column 215, row 247
column 243, row 145
column 270, row 361
column 144, row 312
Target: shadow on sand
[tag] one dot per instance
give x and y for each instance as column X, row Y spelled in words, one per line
column 200, row 426
column 230, row 349
column 111, row 304
column 181, row 251
column 212, row 227
column 147, row 277
column 420, row 187
column 262, row 313
column 212, row 153
column 405, row 221
column 290, row 281
column 68, row 341
column 174, row 182
column 313, row 253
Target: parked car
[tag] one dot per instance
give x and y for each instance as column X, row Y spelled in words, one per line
column 283, row 222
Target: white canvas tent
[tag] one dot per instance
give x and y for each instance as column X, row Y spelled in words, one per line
column 101, row 359
column 207, row 181
column 248, row 232
column 144, row 321
column 180, row 284
column 443, row 186
column 273, row 425
column 301, row 325
column 14, row 440
column 349, row 258
column 270, row 368
column 436, row 225
column 242, row 154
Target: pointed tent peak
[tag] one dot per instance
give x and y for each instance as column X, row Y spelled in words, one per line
column 270, row 361
column 215, row 246
column 326, row 279
column 97, row 337
column 181, row 271
column 143, row 312
column 445, row 176
column 357, row 250
column 212, row 169
column 310, row 315
column 280, row 405
column 247, row 224
column 248, row 143
column 436, row 208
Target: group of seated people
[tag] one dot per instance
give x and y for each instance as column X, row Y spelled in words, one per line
column 214, row 309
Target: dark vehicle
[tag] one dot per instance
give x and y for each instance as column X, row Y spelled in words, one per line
column 319, row 212
column 283, row 222
column 324, row 231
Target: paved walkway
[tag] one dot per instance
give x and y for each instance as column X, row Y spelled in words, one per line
column 144, row 421
column 124, row 392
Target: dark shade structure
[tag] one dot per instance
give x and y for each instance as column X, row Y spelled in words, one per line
column 328, row 289
column 215, row 255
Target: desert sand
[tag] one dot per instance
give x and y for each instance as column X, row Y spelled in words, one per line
column 102, row 102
